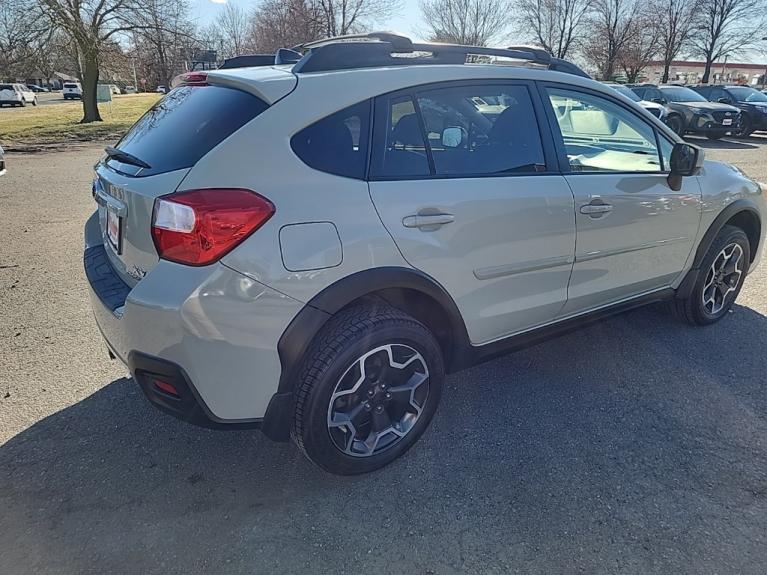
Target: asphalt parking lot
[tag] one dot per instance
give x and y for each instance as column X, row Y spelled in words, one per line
column 636, row 445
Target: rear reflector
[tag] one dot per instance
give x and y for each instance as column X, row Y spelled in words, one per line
column 199, row 227
column 165, row 387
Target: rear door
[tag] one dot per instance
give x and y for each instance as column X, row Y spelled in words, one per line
column 634, row 233
column 464, row 178
column 170, row 138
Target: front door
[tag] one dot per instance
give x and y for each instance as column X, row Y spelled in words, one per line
column 634, row 233
column 464, row 178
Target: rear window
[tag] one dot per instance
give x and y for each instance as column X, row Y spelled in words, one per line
column 70, row 85
column 185, row 125
column 6, row 87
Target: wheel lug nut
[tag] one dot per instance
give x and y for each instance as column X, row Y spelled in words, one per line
column 388, row 395
column 379, row 409
column 368, row 407
column 371, row 393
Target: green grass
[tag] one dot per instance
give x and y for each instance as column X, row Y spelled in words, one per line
column 50, row 125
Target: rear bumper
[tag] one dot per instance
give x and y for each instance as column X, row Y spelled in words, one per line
column 211, row 331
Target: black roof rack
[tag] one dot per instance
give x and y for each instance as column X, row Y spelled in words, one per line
column 390, row 49
column 377, row 49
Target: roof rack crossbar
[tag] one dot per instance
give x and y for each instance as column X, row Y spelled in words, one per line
column 377, row 49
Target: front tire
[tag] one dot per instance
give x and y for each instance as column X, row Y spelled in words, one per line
column 715, row 135
column 369, row 386
column 676, row 124
column 746, row 126
column 722, row 273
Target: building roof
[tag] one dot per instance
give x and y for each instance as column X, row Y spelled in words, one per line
column 715, row 65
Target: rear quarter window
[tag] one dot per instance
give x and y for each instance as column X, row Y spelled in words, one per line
column 337, row 144
column 185, row 125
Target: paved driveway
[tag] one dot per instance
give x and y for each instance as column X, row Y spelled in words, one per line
column 636, row 445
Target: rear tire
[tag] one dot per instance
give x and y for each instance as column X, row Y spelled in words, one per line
column 23, row 103
column 715, row 135
column 369, row 386
column 722, row 273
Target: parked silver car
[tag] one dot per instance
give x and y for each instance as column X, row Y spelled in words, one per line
column 310, row 247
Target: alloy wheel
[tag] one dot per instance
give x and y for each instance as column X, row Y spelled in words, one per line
column 723, row 278
column 378, row 400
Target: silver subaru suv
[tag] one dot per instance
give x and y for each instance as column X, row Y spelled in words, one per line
column 309, row 245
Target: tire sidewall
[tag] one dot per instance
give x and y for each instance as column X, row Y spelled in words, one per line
column 316, row 439
column 727, row 236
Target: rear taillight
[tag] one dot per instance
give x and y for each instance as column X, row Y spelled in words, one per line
column 199, row 226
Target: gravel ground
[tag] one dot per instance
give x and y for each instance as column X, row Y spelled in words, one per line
column 636, row 445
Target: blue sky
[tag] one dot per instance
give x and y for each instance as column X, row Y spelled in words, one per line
column 407, row 21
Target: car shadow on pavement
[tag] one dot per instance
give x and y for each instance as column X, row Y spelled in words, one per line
column 636, row 444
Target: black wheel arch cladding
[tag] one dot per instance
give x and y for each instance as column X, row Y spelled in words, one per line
column 383, row 282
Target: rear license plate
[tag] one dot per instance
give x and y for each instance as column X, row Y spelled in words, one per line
column 727, row 122
column 113, row 229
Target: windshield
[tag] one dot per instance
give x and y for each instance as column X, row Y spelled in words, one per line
column 744, row 94
column 681, row 94
column 628, row 92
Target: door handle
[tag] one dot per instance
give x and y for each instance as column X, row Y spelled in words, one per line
column 427, row 220
column 596, row 209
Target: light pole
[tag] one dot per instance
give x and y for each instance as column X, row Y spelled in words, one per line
column 764, row 76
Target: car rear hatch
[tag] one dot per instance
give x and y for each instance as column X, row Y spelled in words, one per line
column 153, row 158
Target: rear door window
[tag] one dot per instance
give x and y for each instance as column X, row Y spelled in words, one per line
column 337, row 144
column 474, row 130
column 184, row 126
column 400, row 149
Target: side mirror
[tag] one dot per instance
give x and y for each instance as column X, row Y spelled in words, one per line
column 453, row 136
column 686, row 160
column 723, row 100
column 659, row 100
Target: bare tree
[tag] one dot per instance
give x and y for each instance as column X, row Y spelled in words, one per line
column 281, row 24
column 675, row 22
column 473, row 22
column 234, row 26
column 557, row 25
column 724, row 28
column 641, row 47
column 92, row 25
column 613, row 24
column 24, row 33
column 342, row 17
column 164, row 41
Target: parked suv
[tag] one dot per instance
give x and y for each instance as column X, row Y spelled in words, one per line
column 697, row 115
column 2, row 161
column 16, row 95
column 752, row 104
column 357, row 224
column 657, row 110
column 72, row 91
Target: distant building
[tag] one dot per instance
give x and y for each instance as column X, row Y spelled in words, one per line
column 689, row 72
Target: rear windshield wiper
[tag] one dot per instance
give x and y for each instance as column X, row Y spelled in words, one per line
column 126, row 158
